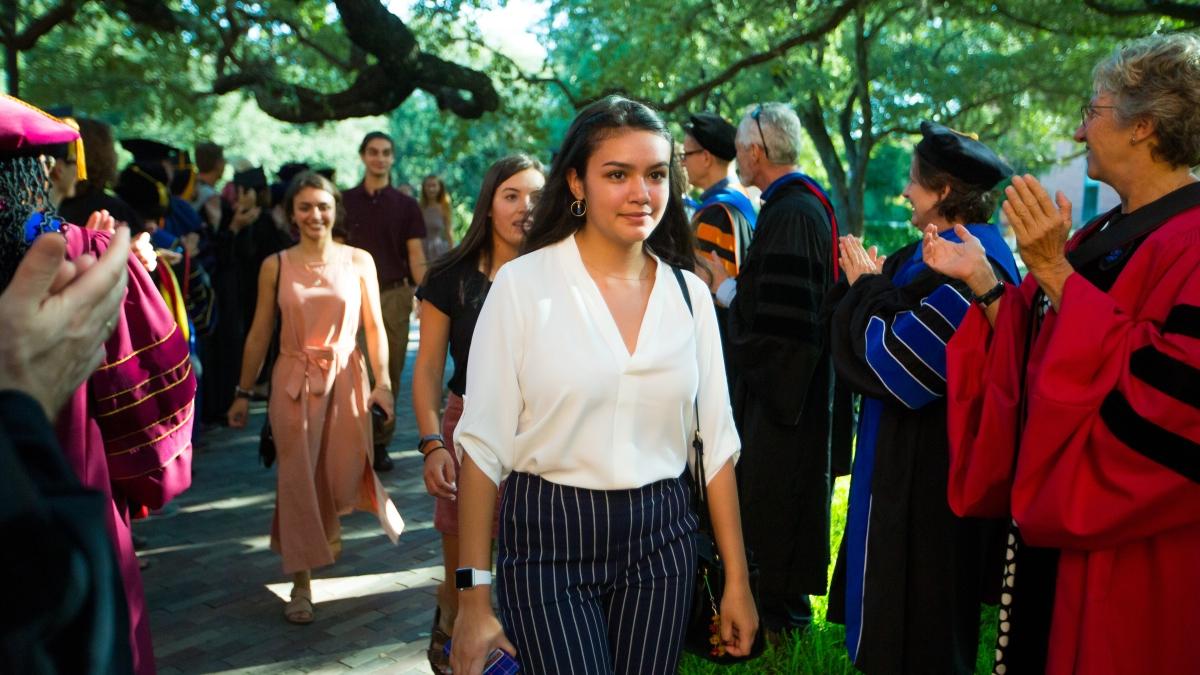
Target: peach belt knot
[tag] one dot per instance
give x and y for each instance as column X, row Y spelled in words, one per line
column 315, row 366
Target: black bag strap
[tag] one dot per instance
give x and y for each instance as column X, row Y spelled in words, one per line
column 698, row 474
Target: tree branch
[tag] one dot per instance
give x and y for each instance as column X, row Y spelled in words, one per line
column 400, row 68
column 526, row 77
column 34, row 30
column 831, row 22
column 1189, row 12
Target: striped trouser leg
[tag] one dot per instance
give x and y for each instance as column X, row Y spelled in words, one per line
column 594, row 581
column 547, row 582
column 648, row 603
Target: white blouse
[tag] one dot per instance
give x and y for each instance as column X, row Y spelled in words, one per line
column 552, row 390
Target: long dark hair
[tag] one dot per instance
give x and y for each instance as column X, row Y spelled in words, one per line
column 476, row 244
column 672, row 240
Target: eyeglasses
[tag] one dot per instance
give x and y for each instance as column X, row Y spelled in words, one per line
column 686, row 153
column 755, row 114
column 1087, row 111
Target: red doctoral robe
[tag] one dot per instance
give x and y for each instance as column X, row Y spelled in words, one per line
column 1106, row 467
column 127, row 430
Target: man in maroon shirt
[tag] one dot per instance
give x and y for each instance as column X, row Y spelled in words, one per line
column 388, row 225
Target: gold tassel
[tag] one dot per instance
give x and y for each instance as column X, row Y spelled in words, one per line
column 80, row 163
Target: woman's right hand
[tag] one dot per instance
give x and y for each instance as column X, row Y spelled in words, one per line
column 440, row 474
column 966, row 262
column 476, row 633
column 238, row 413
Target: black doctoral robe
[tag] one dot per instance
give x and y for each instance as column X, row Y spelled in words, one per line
column 65, row 609
column 910, row 575
column 782, row 394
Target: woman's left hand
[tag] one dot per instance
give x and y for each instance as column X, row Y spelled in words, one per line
column 739, row 619
column 1042, row 228
column 855, row 260
column 1040, row 225
column 383, row 398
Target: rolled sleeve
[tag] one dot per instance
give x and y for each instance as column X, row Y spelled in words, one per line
column 492, row 404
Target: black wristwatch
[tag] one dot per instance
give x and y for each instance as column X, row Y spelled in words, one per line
column 991, row 296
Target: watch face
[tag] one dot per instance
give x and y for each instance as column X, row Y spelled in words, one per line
column 464, row 578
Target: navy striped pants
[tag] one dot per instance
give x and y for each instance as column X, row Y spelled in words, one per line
column 592, row 581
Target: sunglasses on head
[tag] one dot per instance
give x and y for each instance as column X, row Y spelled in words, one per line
column 758, row 111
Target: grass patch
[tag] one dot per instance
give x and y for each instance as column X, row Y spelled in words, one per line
column 822, row 649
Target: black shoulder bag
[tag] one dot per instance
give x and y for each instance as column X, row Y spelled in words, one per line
column 266, row 439
column 702, row 636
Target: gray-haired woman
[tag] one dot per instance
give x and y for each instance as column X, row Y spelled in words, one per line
column 1074, row 400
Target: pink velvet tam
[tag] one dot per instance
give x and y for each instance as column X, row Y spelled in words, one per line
column 25, row 129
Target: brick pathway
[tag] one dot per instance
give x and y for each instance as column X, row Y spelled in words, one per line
column 215, row 590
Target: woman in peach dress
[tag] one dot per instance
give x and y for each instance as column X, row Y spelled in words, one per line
column 320, row 404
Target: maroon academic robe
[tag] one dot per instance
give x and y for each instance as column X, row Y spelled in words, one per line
column 1106, row 465
column 127, row 430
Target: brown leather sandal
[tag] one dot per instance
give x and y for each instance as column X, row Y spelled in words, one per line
column 439, row 661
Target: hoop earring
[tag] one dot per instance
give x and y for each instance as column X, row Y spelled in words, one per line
column 578, row 208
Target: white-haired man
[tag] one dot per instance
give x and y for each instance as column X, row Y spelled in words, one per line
column 783, row 373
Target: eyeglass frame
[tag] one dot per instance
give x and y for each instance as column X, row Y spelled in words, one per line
column 684, row 155
column 1087, row 112
column 761, row 135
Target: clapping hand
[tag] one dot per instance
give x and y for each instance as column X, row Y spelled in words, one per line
column 716, row 269
column 1041, row 227
column 966, row 261
column 856, row 261
column 56, row 314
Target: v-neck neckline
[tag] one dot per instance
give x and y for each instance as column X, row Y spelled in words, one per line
column 599, row 308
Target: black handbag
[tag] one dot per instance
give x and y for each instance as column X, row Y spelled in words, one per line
column 266, row 438
column 702, row 636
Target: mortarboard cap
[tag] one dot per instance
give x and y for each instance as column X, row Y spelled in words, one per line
column 145, row 150
column 254, row 178
column 961, row 156
column 143, row 185
column 290, row 170
column 713, row 134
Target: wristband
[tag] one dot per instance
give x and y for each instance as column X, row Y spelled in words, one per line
column 238, row 392
column 466, row 578
column 435, row 449
column 429, row 437
column 991, row 296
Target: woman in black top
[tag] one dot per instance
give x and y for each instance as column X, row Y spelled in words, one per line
column 451, row 297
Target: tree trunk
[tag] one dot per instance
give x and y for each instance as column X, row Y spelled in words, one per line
column 12, row 68
column 12, row 63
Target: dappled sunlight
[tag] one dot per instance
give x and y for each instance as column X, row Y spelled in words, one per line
column 362, row 585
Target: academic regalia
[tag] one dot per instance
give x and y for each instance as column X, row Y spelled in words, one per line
column 1083, row 423
column 79, row 208
column 911, row 574
column 65, row 611
column 781, row 396
column 255, row 243
column 127, row 430
column 222, row 350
